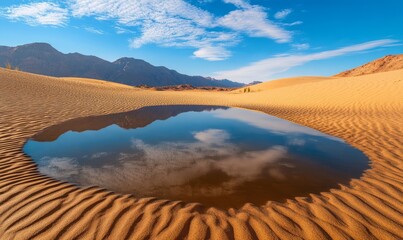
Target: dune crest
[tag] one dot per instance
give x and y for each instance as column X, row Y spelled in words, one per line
column 366, row 111
column 384, row 64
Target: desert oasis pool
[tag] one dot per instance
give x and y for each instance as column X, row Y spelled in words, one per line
column 218, row 156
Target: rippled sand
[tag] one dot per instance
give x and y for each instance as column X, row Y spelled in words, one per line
column 366, row 111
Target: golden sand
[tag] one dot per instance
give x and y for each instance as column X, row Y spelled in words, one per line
column 366, row 111
column 384, row 64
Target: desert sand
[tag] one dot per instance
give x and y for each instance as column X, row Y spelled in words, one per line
column 366, row 111
column 387, row 63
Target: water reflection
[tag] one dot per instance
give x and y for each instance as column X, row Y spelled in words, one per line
column 218, row 156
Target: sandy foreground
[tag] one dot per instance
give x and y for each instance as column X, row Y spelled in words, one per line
column 366, row 111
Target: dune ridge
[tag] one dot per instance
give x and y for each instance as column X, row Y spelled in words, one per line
column 366, row 111
column 280, row 83
column 384, row 64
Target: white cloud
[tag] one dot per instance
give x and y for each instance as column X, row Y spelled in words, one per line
column 292, row 23
column 39, row 13
column 94, row 30
column 121, row 30
column 180, row 24
column 169, row 23
column 173, row 23
column 254, row 21
column 282, row 14
column 264, row 69
column 212, row 53
column 133, row 12
column 300, row 46
column 238, row 3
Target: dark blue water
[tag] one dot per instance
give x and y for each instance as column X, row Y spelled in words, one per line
column 218, row 156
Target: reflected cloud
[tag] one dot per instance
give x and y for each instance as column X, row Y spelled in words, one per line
column 172, row 167
column 212, row 136
column 59, row 167
column 267, row 122
column 98, row 155
column 296, row 142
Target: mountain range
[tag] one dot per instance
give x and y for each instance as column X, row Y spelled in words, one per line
column 42, row 58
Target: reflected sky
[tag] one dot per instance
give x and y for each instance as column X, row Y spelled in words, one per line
column 218, row 156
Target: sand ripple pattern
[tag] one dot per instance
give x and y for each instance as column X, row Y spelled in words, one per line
column 366, row 111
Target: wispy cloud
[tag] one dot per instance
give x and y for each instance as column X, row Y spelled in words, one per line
column 212, row 53
column 254, row 22
column 238, row 3
column 300, row 46
column 292, row 23
column 269, row 123
column 94, row 30
column 264, row 69
column 121, row 30
column 170, row 23
column 178, row 23
column 39, row 13
column 282, row 14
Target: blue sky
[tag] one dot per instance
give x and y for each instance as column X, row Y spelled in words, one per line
column 236, row 39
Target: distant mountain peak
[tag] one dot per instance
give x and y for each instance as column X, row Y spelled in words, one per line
column 125, row 60
column 37, row 46
column 254, row 83
column 384, row 64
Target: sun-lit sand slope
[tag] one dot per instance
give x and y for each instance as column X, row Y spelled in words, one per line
column 284, row 82
column 384, row 64
column 366, row 111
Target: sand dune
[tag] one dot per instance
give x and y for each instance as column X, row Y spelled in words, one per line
column 280, row 83
column 366, row 111
column 384, row 64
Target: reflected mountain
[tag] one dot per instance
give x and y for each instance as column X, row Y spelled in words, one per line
column 128, row 120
